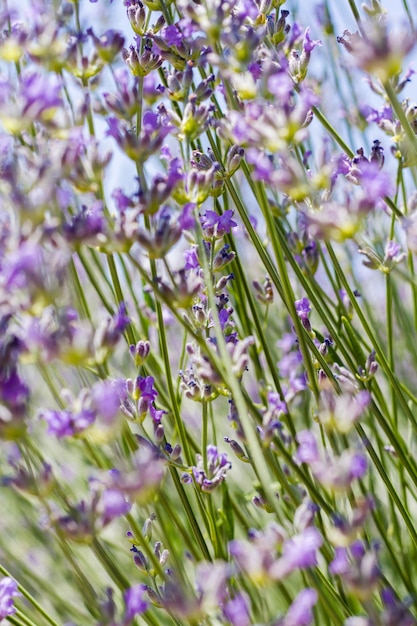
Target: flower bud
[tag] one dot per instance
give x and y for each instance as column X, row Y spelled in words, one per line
column 140, row 352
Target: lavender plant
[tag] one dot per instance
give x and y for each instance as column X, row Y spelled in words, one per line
column 208, row 305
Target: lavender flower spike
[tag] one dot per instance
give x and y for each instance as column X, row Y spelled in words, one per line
column 8, row 591
column 300, row 612
column 135, row 601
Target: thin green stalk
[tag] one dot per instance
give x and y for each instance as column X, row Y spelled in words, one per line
column 129, row 284
column 285, row 288
column 119, row 295
column 381, row 357
column 329, row 597
column 400, row 113
column 84, row 585
column 390, row 487
column 179, row 424
column 408, row 12
column 204, row 434
column 140, row 105
column 226, row 369
column 144, row 545
column 357, row 16
column 271, row 361
column 190, row 514
column 110, row 565
column 169, row 513
column 79, row 291
column 24, row 619
column 94, row 282
column 17, row 619
column 388, row 544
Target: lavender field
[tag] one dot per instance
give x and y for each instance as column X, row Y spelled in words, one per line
column 208, row 313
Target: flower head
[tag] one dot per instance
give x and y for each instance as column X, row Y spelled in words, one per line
column 136, row 601
column 8, row 591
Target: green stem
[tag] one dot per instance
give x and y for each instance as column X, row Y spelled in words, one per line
column 400, row 113
column 109, row 565
column 190, row 514
column 381, row 356
column 204, row 435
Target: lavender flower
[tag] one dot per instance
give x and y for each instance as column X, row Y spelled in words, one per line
column 340, row 412
column 217, row 467
column 38, row 100
column 216, row 226
column 237, row 610
column 358, row 568
column 135, row 602
column 380, row 52
column 299, row 552
column 334, row 474
column 255, row 557
column 8, row 591
column 300, row 612
column 139, row 478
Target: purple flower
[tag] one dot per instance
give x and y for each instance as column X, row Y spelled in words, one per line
column 114, row 129
column 358, row 567
column 108, row 45
column 296, row 32
column 40, row 93
column 120, row 319
column 358, row 466
column 121, row 200
column 372, row 115
column 340, row 563
column 111, row 330
column 308, row 43
column 289, row 363
column 59, row 423
column 13, row 391
column 172, row 36
column 217, row 226
column 224, row 315
column 113, row 504
column 150, row 121
column 106, row 400
column 135, row 601
column 307, row 451
column 8, row 591
column 145, row 385
column 300, row 612
column 211, row 583
column 191, row 259
column 341, row 165
column 67, row 424
column 275, row 403
column 263, row 165
column 217, row 467
column 299, row 552
column 302, row 307
column 142, row 477
column 24, row 266
column 375, row 185
column 281, row 86
column 340, row 412
column 186, row 219
column 85, row 225
column 393, row 254
column 237, row 610
column 395, row 612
